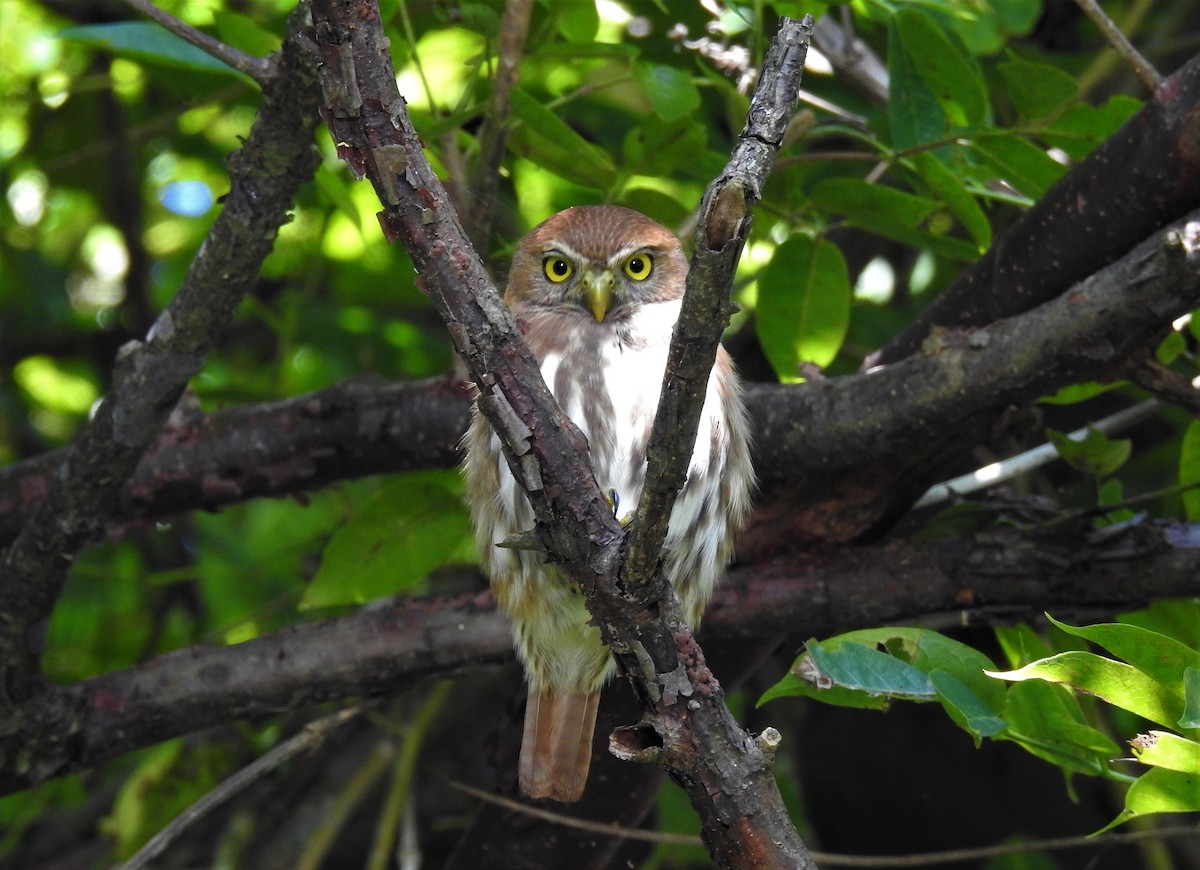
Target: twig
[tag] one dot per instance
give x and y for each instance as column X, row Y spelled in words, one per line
column 603, row 829
column 258, row 68
column 1023, row 463
column 310, row 737
column 1142, row 67
column 493, row 133
column 833, row 859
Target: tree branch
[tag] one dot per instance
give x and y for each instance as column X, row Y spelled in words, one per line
column 729, row 782
column 724, row 224
column 1142, row 67
column 1000, row 576
column 149, row 376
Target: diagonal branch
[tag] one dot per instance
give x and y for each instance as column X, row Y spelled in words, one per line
column 724, row 224
column 726, row 773
column 150, row 375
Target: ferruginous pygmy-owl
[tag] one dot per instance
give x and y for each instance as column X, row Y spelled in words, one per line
column 596, row 291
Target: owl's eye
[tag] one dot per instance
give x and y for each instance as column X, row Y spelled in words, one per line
column 639, row 266
column 557, row 269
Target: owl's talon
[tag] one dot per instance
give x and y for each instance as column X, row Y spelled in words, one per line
column 523, row 541
column 614, row 501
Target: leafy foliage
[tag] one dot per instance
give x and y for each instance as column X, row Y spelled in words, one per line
column 1150, row 674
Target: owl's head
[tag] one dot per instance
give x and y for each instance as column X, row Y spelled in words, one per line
column 603, row 260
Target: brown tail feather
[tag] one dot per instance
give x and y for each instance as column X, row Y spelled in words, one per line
column 556, row 748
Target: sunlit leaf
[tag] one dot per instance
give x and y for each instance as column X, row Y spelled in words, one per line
column 1191, row 699
column 1160, row 791
column 1118, row 683
column 1162, row 658
column 1167, row 750
column 1096, row 454
column 1046, row 721
column 803, row 305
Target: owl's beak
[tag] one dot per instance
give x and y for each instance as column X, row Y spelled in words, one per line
column 598, row 293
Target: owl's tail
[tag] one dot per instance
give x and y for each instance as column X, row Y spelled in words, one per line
column 556, row 748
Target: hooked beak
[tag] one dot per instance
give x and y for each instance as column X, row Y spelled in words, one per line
column 598, row 293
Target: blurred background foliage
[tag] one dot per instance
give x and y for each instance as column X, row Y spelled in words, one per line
column 113, row 138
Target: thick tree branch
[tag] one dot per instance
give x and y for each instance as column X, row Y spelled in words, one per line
column 1142, row 178
column 836, row 457
column 998, row 577
column 726, row 773
column 149, row 376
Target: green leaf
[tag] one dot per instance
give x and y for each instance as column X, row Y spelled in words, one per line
column 1167, row 750
column 658, row 148
column 149, row 43
column 930, row 651
column 1083, row 127
column 866, row 669
column 1096, row 454
column 1046, row 721
column 1189, row 470
column 1116, row 682
column 1021, row 163
column 792, row 686
column 1072, row 394
column 965, row 707
column 245, row 33
column 548, row 141
column 1036, row 89
column 669, row 89
column 914, row 114
column 949, row 188
column 953, row 78
column 577, row 20
column 1160, row 657
column 411, row 526
column 891, row 213
column 803, row 305
column 1191, row 699
column 1159, row 791
column 856, row 198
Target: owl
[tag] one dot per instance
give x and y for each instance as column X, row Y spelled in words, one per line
column 596, row 291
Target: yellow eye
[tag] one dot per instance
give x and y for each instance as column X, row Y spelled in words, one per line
column 639, row 266
column 557, row 269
